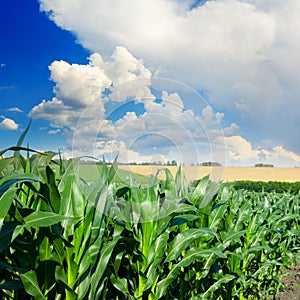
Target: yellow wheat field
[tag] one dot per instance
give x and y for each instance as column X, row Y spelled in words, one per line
column 225, row 173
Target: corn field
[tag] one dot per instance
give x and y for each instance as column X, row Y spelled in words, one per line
column 64, row 238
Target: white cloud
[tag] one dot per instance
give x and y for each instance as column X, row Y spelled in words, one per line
column 15, row 109
column 164, row 127
column 79, row 86
column 54, row 131
column 280, row 154
column 8, row 124
column 198, row 46
column 57, row 112
column 113, row 148
column 165, row 130
column 240, row 151
column 244, row 54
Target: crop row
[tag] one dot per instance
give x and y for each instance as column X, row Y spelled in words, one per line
column 270, row 186
column 64, row 238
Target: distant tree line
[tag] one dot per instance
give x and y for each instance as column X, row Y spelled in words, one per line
column 260, row 165
column 153, row 163
column 210, row 164
column 157, row 163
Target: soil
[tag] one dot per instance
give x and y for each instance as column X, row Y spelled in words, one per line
column 292, row 284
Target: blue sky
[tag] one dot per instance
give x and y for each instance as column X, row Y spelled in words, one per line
column 153, row 80
column 30, row 42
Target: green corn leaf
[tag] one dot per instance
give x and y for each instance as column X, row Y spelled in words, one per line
column 72, row 268
column 211, row 191
column 190, row 257
column 155, row 259
column 45, row 250
column 225, row 279
column 7, row 182
column 65, row 189
column 84, row 265
column 195, row 254
column 6, row 200
column 243, row 216
column 18, row 230
column 104, row 257
column 229, row 237
column 5, row 163
column 120, row 284
column 234, row 262
column 169, row 182
column 163, row 285
column 182, row 219
column 181, row 183
column 210, row 260
column 256, row 239
column 113, row 170
column 21, row 139
column 77, row 200
column 59, row 249
column 55, row 198
column 217, row 216
column 83, row 287
column 31, row 286
column 199, row 191
column 254, row 249
column 61, row 276
column 118, row 260
column 16, row 148
column 43, row 219
column 175, row 206
column 186, row 239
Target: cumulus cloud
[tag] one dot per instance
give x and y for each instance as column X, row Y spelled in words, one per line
column 114, row 148
column 164, row 129
column 243, row 53
column 8, row 124
column 164, row 126
column 240, row 151
column 197, row 46
column 78, row 86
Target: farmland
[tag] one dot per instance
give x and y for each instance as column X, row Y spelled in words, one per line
column 118, row 235
column 226, row 173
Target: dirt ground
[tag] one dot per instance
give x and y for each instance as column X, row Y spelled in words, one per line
column 292, row 284
column 225, row 173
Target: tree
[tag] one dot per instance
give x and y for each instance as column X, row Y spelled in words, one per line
column 261, row 165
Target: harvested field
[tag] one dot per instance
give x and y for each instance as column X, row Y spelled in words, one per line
column 225, row 173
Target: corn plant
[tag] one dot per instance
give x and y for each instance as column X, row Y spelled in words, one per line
column 55, row 242
column 64, row 238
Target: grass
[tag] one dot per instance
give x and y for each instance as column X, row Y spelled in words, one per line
column 104, row 237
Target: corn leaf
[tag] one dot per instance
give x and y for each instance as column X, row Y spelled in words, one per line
column 31, row 286
column 43, row 219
